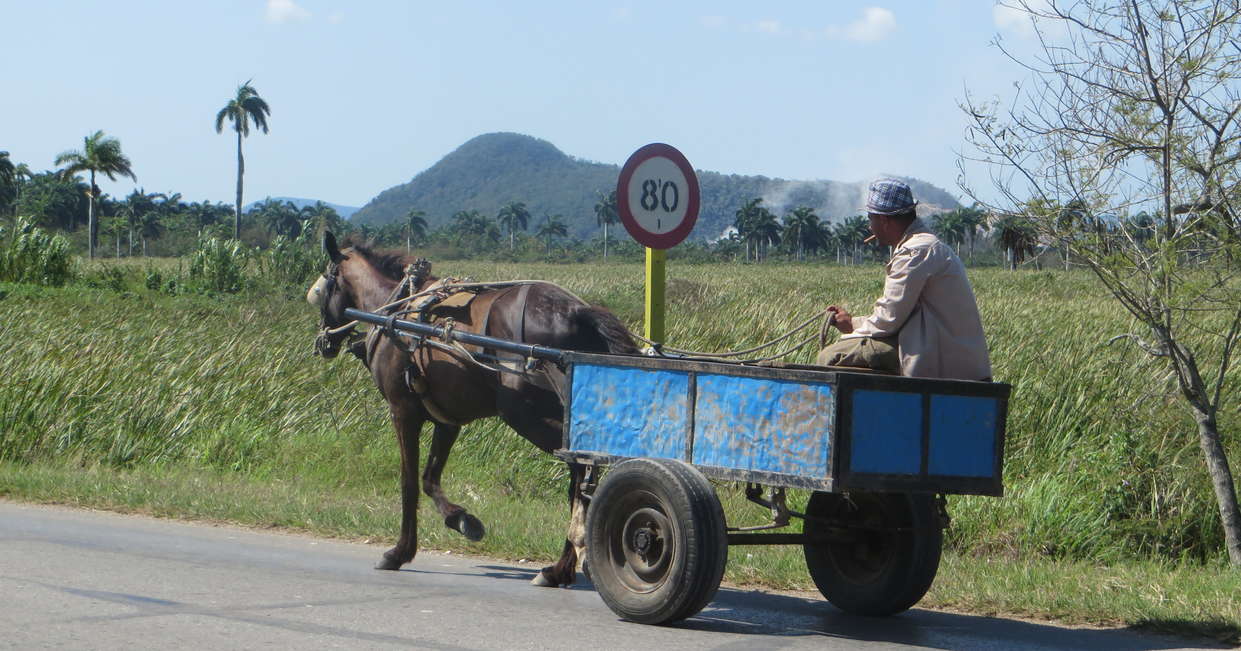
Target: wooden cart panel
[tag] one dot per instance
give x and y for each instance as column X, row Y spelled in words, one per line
column 817, row 429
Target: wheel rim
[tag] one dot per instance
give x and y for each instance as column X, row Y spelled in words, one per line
column 641, row 545
column 865, row 558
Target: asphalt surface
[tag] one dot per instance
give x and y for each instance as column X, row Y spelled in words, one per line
column 93, row 580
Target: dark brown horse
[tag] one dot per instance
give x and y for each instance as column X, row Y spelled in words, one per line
column 429, row 383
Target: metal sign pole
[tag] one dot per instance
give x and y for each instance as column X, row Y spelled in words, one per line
column 654, row 322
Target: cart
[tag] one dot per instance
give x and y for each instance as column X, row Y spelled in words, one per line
column 876, row 452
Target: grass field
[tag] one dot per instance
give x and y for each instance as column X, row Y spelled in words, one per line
column 194, row 406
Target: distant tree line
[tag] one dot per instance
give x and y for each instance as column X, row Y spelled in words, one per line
column 163, row 224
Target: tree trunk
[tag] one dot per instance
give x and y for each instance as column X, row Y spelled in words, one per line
column 241, row 170
column 91, row 230
column 605, row 240
column 1221, row 481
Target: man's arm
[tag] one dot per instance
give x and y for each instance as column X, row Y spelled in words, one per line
column 907, row 275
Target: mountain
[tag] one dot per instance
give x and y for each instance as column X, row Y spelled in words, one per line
column 344, row 211
column 493, row 169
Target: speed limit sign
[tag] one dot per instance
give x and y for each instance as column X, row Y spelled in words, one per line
column 657, row 196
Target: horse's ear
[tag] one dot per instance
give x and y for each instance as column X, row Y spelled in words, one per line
column 330, row 248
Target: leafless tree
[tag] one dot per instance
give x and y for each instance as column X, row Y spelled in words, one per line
column 1134, row 105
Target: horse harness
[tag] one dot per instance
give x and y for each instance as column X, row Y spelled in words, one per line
column 447, row 303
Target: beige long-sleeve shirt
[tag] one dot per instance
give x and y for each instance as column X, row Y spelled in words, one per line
column 929, row 305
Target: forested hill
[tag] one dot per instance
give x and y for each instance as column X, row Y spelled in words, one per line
column 494, row 169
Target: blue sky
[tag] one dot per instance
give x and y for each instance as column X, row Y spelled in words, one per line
column 366, row 94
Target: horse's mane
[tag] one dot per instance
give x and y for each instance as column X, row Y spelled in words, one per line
column 389, row 264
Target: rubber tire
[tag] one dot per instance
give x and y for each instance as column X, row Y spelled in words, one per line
column 674, row 509
column 883, row 573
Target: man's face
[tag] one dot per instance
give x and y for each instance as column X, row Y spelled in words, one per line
column 885, row 230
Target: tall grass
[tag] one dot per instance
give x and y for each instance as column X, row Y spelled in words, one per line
column 1101, row 464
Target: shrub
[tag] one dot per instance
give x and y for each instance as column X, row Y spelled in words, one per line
column 291, row 261
column 218, row 266
column 32, row 255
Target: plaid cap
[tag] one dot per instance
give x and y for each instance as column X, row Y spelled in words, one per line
column 889, row 197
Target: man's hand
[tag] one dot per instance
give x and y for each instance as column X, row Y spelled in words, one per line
column 843, row 320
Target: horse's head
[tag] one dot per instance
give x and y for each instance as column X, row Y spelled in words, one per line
column 363, row 279
column 332, row 295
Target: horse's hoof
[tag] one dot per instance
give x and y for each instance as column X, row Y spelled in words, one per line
column 540, row 580
column 469, row 526
column 389, row 563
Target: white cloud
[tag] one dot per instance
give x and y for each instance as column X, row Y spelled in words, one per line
column 284, row 11
column 768, row 26
column 1009, row 18
column 875, row 24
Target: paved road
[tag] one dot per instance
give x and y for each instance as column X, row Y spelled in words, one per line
column 90, row 580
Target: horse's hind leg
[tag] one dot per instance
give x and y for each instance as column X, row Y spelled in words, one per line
column 455, row 517
column 564, row 571
column 407, row 419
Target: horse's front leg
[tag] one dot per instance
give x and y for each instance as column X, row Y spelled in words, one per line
column 564, row 572
column 455, row 517
column 407, row 419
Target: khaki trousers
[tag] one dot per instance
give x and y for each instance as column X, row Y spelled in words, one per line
column 875, row 353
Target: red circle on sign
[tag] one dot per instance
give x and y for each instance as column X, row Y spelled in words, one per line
column 647, row 238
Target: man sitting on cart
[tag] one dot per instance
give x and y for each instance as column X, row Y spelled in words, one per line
column 926, row 324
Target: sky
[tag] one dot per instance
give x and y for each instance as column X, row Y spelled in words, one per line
column 366, row 94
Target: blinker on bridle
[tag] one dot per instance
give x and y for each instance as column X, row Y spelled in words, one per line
column 319, row 295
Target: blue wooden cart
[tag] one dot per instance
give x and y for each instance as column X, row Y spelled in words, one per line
column 876, row 452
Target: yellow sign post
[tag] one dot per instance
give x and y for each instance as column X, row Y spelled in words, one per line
column 657, row 201
column 654, row 322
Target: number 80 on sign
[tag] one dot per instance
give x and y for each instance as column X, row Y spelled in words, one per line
column 657, row 196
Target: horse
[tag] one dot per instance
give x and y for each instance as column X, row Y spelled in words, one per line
column 427, row 382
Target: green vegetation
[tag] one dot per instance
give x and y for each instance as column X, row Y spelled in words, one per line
column 192, row 406
column 32, row 255
column 1114, row 153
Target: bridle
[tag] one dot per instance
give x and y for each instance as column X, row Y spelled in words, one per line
column 328, row 341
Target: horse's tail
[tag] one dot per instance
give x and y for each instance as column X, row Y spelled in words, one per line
column 603, row 330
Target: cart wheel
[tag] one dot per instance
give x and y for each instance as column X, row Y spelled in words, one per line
column 656, row 543
column 870, row 571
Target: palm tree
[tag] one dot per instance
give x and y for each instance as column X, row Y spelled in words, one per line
column 766, row 230
column 552, row 226
column 746, row 219
column 513, row 216
column 605, row 214
column 322, row 217
column 151, row 225
column 102, row 155
column 240, row 110
column 280, row 217
column 137, row 205
column 415, row 227
column 801, row 231
column 1016, row 234
column 851, row 233
column 8, row 180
